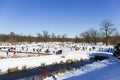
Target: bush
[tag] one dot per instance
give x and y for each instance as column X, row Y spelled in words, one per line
column 2, row 57
column 76, row 60
column 24, row 68
column 30, row 55
column 81, row 60
column 42, row 65
column 63, row 70
column 77, row 48
column 12, row 70
column 55, row 63
column 69, row 61
column 117, row 50
column 70, row 68
column 55, row 72
column 61, row 62
column 117, row 46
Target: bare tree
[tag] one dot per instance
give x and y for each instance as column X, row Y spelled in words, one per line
column 64, row 37
column 107, row 29
column 86, row 37
column 3, row 38
column 46, row 36
column 77, row 39
column 59, row 38
column 39, row 37
column 93, row 33
column 115, row 39
column 30, row 39
column 11, row 37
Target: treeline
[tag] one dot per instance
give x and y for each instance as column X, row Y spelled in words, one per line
column 90, row 36
column 45, row 37
column 104, row 34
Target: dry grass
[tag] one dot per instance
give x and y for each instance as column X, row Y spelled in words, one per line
column 15, row 57
column 2, row 57
column 55, row 63
column 70, row 69
column 69, row 61
column 63, row 70
column 24, row 68
column 76, row 60
column 42, row 65
column 28, row 55
column 61, row 62
column 12, row 70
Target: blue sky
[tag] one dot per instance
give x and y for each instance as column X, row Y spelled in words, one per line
column 69, row 17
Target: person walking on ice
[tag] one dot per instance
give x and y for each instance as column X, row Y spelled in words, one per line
column 14, row 53
column 7, row 53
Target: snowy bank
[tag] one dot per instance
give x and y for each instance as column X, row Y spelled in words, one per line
column 32, row 62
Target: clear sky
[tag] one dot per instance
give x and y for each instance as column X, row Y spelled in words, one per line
column 69, row 17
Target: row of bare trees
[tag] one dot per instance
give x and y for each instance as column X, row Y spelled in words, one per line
column 41, row 37
column 104, row 34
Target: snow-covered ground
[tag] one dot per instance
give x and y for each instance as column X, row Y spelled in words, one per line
column 36, row 61
column 101, row 70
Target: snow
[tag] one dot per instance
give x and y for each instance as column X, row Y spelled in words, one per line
column 36, row 61
column 101, row 70
column 108, row 69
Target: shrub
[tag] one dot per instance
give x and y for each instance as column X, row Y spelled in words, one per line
column 81, row 60
column 63, row 70
column 24, row 68
column 69, row 61
column 61, row 62
column 117, row 46
column 42, row 65
column 2, row 57
column 30, row 55
column 12, row 70
column 117, row 50
column 76, row 60
column 62, row 56
column 55, row 63
column 77, row 48
column 55, row 72
column 15, row 56
column 70, row 68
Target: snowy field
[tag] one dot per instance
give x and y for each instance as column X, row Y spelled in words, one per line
column 72, row 51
